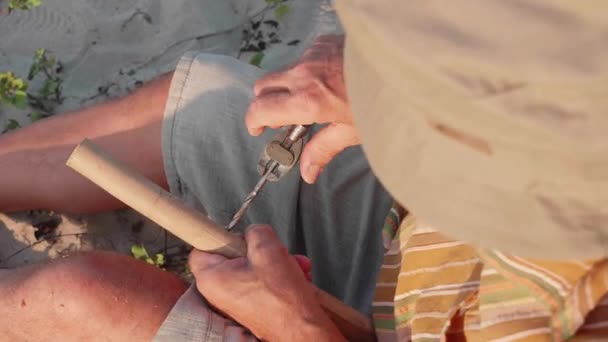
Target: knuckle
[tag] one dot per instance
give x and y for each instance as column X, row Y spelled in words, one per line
column 256, row 230
column 254, row 107
column 261, row 82
column 315, row 88
column 254, row 114
column 258, row 234
column 257, row 87
column 274, row 251
column 263, row 242
column 317, row 91
column 302, row 70
column 311, row 101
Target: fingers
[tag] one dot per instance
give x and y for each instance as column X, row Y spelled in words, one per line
column 323, row 147
column 263, row 246
column 266, row 252
column 276, row 81
column 212, row 272
column 285, row 108
column 305, row 265
column 271, row 92
column 206, row 265
column 303, row 262
column 201, row 260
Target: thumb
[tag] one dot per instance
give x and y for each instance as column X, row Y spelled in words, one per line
column 323, row 147
column 201, row 261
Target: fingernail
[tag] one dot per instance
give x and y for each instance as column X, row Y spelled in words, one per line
column 312, row 172
column 255, row 131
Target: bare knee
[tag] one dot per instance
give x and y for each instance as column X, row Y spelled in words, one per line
column 93, row 293
column 96, row 281
column 101, row 270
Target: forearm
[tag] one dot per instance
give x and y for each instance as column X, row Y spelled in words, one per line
column 32, row 159
column 314, row 332
column 306, row 324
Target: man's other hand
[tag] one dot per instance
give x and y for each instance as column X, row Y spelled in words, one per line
column 266, row 291
column 311, row 91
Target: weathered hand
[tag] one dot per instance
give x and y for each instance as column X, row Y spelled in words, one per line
column 267, row 292
column 311, row 91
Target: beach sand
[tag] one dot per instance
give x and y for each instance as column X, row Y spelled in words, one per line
column 107, row 49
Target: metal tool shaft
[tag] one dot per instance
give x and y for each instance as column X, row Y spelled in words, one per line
column 249, row 199
column 296, row 133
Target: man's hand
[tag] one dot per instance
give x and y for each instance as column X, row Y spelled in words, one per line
column 311, row 91
column 267, row 292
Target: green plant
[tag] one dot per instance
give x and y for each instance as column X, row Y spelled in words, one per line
column 21, row 5
column 257, row 58
column 16, row 92
column 261, row 33
column 49, row 94
column 35, row 116
column 13, row 90
column 279, row 7
column 11, row 124
column 139, row 252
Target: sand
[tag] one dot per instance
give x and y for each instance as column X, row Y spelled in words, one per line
column 107, row 49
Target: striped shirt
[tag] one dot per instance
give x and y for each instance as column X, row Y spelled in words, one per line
column 432, row 287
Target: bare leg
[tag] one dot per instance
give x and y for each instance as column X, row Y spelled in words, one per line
column 91, row 296
column 88, row 297
column 32, row 160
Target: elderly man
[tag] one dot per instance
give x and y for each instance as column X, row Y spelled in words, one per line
column 487, row 131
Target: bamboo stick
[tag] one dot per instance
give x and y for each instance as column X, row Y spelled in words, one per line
column 190, row 225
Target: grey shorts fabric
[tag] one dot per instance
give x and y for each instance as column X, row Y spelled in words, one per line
column 210, row 162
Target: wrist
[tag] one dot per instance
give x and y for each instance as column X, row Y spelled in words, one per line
column 309, row 326
column 322, row 331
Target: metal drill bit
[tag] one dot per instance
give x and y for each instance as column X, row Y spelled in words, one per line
column 249, row 199
column 295, row 133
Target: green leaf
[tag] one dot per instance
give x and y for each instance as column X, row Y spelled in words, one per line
column 139, row 252
column 35, row 116
column 281, row 11
column 13, row 90
column 11, row 124
column 35, row 69
column 19, row 84
column 8, row 81
column 39, row 62
column 23, row 4
column 50, row 87
column 20, row 99
column 39, row 55
column 257, row 59
column 159, row 260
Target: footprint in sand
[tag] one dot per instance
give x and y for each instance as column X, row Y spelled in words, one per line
column 25, row 31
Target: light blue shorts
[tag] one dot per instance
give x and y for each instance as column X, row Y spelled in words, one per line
column 210, row 161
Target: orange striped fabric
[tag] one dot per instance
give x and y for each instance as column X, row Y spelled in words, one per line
column 432, row 287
